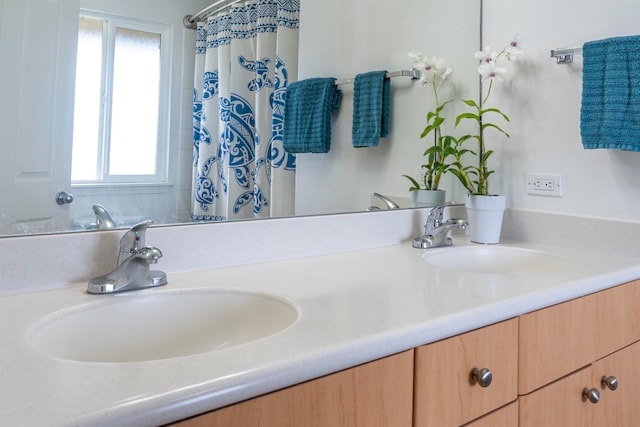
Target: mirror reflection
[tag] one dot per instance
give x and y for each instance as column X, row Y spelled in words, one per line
column 57, row 72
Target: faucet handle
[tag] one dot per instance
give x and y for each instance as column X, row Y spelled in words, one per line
column 133, row 239
column 436, row 215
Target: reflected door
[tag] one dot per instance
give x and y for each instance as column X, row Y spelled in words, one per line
column 36, row 112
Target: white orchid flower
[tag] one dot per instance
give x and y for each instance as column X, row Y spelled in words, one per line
column 430, row 68
column 417, row 57
column 486, row 56
column 514, row 49
column 445, row 73
column 490, row 71
column 516, row 42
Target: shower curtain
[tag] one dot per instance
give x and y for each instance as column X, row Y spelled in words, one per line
column 244, row 60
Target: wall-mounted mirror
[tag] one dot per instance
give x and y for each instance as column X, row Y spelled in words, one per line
column 338, row 38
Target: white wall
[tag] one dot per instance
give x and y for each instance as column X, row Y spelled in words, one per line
column 544, row 104
column 542, row 99
column 341, row 39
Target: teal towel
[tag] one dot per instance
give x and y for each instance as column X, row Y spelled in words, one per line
column 307, row 115
column 610, row 111
column 371, row 107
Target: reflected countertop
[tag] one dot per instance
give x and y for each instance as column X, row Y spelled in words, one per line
column 354, row 307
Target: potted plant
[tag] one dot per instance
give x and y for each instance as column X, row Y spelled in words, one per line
column 484, row 210
column 433, row 71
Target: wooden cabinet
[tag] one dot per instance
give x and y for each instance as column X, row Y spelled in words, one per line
column 378, row 393
column 445, row 395
column 618, row 407
column 559, row 404
column 503, row 417
column 571, row 347
column 562, row 403
column 558, row 340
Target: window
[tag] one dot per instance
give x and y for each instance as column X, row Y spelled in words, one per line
column 121, row 75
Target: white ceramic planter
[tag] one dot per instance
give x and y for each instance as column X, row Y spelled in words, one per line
column 426, row 198
column 484, row 214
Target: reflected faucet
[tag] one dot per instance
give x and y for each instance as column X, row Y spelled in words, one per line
column 390, row 204
column 103, row 219
column 132, row 268
column 436, row 230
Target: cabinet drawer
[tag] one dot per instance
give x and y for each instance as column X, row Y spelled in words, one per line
column 558, row 340
column 503, row 417
column 559, row 404
column 375, row 394
column 618, row 405
column 445, row 396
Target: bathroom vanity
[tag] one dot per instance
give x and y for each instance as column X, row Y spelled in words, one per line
column 368, row 325
column 569, row 364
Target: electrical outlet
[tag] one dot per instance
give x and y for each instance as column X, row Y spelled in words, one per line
column 544, row 184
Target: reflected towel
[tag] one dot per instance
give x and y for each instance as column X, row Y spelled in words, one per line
column 371, row 108
column 610, row 112
column 307, row 115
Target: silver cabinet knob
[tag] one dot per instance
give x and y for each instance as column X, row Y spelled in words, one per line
column 609, row 382
column 481, row 376
column 592, row 395
column 62, row 198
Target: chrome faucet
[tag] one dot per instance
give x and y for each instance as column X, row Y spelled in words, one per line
column 389, row 204
column 103, row 219
column 436, row 229
column 132, row 268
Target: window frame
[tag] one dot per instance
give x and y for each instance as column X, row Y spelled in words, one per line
column 110, row 23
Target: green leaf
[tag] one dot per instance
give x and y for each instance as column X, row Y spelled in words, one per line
column 465, row 137
column 470, row 116
column 438, row 121
column 465, row 151
column 427, row 130
column 443, row 105
column 471, row 103
column 498, row 128
column 495, row 110
column 414, row 183
column 434, row 149
column 485, row 156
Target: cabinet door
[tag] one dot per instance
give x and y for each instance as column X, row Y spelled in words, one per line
column 559, row 404
column 619, row 407
column 375, row 394
column 558, row 340
column 503, row 417
column 444, row 393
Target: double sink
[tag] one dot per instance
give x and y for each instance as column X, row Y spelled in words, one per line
column 155, row 325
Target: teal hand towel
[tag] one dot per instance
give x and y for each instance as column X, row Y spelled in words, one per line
column 371, row 108
column 610, row 110
column 307, row 115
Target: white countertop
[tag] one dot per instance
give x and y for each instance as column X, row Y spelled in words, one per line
column 354, row 307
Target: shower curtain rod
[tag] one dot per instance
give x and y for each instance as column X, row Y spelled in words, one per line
column 190, row 21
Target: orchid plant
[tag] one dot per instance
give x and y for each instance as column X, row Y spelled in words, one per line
column 433, row 72
column 475, row 178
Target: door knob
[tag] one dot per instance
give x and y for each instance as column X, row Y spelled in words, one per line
column 609, row 382
column 62, row 198
column 481, row 376
column 592, row 395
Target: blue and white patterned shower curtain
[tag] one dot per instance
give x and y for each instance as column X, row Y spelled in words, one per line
column 244, row 60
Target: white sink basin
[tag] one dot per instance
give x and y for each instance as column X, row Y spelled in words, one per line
column 495, row 260
column 159, row 325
